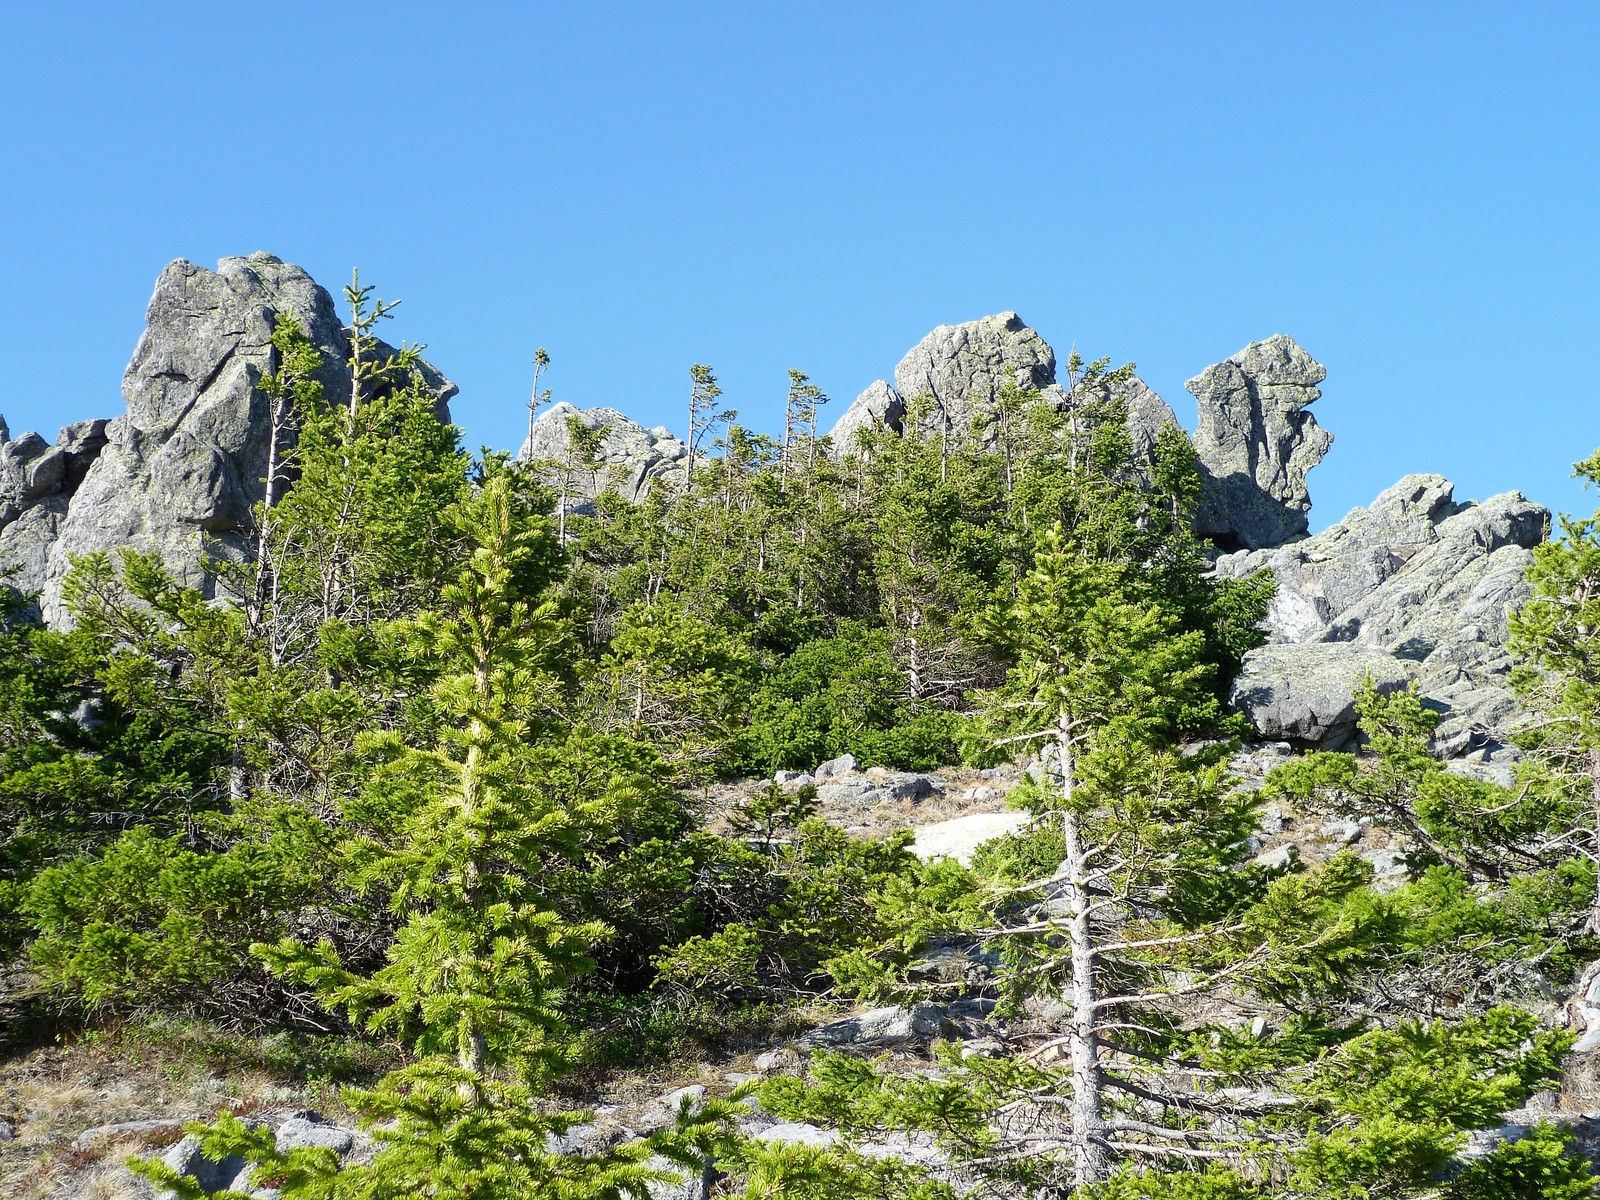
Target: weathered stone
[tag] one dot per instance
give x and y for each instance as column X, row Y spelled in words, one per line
column 574, row 1141
column 37, row 482
column 309, row 1129
column 947, row 387
column 678, row 1097
column 880, row 407
column 834, row 767
column 177, row 475
column 1305, row 692
column 682, row 1185
column 631, row 458
column 779, row 1060
column 186, row 1158
column 960, row 837
column 1278, row 858
column 119, row 1130
column 881, row 1026
column 798, row 1134
column 1427, row 580
column 961, row 369
column 851, row 791
column 1256, row 443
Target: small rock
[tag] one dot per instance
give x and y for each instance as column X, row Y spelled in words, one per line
column 971, row 1010
column 1277, row 859
column 776, row 1061
column 572, row 1141
column 982, row 1048
column 1272, row 819
column 304, row 1129
column 882, row 1026
column 796, row 1133
column 1343, row 833
column 906, row 787
column 674, row 1100
column 8, row 1132
column 1048, row 1009
column 90, row 1138
column 960, row 838
column 856, row 791
column 684, row 1187
column 843, row 765
column 186, row 1158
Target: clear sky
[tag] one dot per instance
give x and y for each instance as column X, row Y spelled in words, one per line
column 1410, row 190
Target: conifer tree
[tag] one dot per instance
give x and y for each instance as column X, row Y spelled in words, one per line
column 538, row 399
column 473, row 976
column 1558, row 630
column 1160, row 935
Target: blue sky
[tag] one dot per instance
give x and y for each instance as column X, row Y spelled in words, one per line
column 1408, row 190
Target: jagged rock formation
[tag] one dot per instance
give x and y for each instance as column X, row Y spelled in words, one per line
column 1424, row 580
column 632, row 459
column 178, row 474
column 1256, row 443
column 37, row 481
column 957, row 372
column 879, row 407
column 962, row 368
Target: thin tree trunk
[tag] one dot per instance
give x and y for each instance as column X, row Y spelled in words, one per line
column 1091, row 1159
column 1594, row 806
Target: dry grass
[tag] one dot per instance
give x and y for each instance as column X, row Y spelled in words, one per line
column 54, row 1094
column 112, row 1182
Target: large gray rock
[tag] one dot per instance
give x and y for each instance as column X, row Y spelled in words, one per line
column 885, row 1026
column 1423, row 579
column 177, row 475
column 878, row 408
column 632, row 459
column 1256, row 442
column 960, row 837
column 960, row 370
column 37, row 483
column 1306, row 692
column 948, row 384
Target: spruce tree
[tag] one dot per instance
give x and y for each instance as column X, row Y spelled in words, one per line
column 1558, row 630
column 474, row 975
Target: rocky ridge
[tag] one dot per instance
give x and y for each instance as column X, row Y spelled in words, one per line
column 957, row 373
column 178, row 474
column 1414, row 587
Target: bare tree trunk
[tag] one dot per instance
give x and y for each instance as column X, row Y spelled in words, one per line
column 1091, row 1159
column 1594, row 808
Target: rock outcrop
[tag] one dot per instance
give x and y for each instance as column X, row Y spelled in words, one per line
column 1305, row 692
column 1424, row 580
column 179, row 473
column 961, row 369
column 1256, row 442
column 37, row 483
column 948, row 386
column 631, row 458
column 879, row 407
